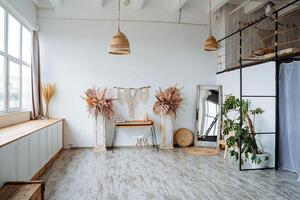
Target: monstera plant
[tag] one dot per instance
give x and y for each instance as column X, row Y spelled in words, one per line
column 245, row 134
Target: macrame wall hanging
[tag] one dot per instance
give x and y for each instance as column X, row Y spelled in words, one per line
column 132, row 96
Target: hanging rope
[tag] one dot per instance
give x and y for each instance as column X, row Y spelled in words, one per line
column 119, row 19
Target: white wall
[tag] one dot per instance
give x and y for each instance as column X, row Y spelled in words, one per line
column 74, row 56
column 24, row 10
column 257, row 80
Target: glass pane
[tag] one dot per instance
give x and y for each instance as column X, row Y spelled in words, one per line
column 1, row 29
column 14, row 28
column 26, row 45
column 14, row 85
column 212, row 109
column 26, row 87
column 1, row 83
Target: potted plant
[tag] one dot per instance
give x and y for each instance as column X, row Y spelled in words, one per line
column 167, row 104
column 246, row 136
column 100, row 106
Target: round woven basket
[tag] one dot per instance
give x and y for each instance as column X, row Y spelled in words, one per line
column 183, row 137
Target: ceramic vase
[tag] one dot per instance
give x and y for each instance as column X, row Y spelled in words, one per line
column 166, row 131
column 99, row 134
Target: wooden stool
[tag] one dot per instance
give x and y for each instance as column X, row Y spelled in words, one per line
column 29, row 190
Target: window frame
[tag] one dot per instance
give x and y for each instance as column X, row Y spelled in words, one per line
column 9, row 58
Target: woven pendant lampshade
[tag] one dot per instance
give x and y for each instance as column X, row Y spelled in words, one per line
column 119, row 44
column 211, row 43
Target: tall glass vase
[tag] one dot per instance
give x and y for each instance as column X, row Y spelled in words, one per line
column 166, row 131
column 47, row 111
column 99, row 133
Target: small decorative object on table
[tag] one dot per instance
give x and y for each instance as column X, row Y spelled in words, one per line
column 48, row 91
column 167, row 104
column 100, row 107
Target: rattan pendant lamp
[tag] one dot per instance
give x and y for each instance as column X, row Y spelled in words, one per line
column 119, row 44
column 211, row 43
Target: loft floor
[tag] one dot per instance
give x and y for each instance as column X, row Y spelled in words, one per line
column 146, row 174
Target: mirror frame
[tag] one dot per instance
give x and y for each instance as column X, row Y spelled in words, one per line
column 198, row 143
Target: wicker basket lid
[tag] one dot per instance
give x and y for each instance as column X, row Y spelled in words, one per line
column 184, row 137
column 119, row 44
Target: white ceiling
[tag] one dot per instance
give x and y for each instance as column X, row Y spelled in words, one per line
column 192, row 11
column 188, row 11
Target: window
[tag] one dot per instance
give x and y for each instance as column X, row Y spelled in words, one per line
column 14, row 30
column 1, row 84
column 15, row 64
column 2, row 17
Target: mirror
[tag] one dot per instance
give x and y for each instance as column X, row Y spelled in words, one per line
column 208, row 115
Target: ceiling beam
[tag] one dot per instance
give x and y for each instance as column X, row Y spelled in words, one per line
column 239, row 7
column 217, row 4
column 102, row 2
column 137, row 4
column 253, row 6
column 176, row 5
column 288, row 10
column 56, row 3
column 36, row 2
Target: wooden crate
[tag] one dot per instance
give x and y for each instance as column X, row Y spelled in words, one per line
column 31, row 190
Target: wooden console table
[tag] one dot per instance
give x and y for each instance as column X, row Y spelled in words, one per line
column 136, row 123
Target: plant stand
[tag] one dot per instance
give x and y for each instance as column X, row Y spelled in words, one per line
column 166, row 131
column 99, row 134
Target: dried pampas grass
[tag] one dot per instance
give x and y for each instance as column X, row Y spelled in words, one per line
column 48, row 91
column 98, row 101
column 168, row 101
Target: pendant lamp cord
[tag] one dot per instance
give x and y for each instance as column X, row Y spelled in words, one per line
column 210, row 17
column 119, row 16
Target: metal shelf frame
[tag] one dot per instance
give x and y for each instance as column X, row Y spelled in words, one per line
column 278, row 60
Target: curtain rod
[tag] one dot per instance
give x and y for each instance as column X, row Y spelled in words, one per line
column 255, row 22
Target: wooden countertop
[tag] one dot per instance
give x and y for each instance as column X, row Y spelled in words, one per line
column 12, row 133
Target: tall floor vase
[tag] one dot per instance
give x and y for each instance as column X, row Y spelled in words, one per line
column 99, row 134
column 166, row 131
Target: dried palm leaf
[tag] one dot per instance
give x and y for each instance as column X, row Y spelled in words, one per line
column 98, row 101
column 48, row 91
column 168, row 101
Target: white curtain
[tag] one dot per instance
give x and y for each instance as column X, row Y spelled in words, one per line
column 37, row 108
column 289, row 109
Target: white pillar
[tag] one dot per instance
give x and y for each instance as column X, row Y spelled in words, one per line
column 100, row 133
column 166, row 131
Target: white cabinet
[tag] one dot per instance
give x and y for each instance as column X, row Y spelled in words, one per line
column 43, row 152
column 49, row 142
column 23, row 158
column 34, row 161
column 55, row 138
column 60, row 135
column 8, row 163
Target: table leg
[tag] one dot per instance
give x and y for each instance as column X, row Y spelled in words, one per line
column 114, row 139
column 152, row 137
column 155, row 138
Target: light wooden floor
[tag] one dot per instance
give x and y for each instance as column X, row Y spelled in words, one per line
column 133, row 174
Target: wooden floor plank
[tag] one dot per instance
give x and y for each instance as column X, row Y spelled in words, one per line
column 147, row 174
